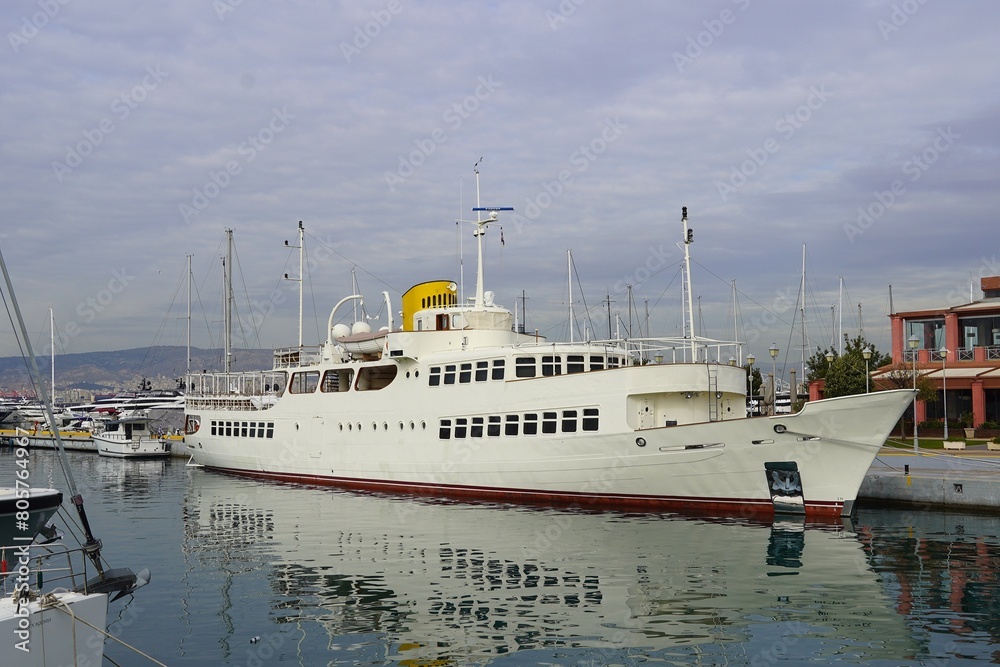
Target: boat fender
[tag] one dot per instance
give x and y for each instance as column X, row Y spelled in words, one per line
column 641, row 442
column 780, row 428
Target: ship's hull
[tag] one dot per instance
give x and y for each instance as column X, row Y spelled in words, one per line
column 812, row 462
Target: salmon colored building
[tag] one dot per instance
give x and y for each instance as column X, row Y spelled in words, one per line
column 957, row 347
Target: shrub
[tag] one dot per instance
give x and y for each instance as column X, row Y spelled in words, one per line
column 990, row 425
column 931, row 424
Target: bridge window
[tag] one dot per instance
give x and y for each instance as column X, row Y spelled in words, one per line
column 524, row 367
column 304, row 382
column 551, row 366
column 574, row 363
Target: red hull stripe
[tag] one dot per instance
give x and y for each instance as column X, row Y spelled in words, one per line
column 742, row 507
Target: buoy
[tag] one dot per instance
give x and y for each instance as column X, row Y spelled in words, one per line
column 254, row 640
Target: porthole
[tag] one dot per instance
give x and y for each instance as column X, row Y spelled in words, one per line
column 400, row 426
column 407, row 374
column 412, row 426
column 342, row 426
column 385, row 426
column 374, row 426
column 423, row 426
column 359, row 426
column 780, row 428
column 416, row 374
column 350, row 426
column 641, row 442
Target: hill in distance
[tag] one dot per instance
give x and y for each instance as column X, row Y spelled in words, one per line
column 80, row 376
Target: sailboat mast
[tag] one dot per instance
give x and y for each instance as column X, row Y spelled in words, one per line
column 227, row 275
column 569, row 275
column 52, row 363
column 802, row 301
column 688, row 240
column 189, row 316
column 840, row 320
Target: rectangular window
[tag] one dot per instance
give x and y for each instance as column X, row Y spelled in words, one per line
column 335, row 380
column 213, row 428
column 549, row 422
column 434, row 379
column 574, row 363
column 510, row 428
column 530, row 424
column 551, row 366
column 243, row 430
column 482, row 371
column 477, row 428
column 253, row 430
column 449, row 374
column 591, row 419
column 465, row 376
column 493, row 430
column 444, row 432
column 461, row 427
column 229, row 429
column 524, row 367
column 596, row 362
column 569, row 421
column 498, row 369
column 613, row 362
column 304, row 383
column 260, row 430
column 270, row 429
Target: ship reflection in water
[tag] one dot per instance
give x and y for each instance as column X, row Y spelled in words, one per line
column 370, row 579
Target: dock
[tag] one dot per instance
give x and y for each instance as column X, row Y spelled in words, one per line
column 965, row 480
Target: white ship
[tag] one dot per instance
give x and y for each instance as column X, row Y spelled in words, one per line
column 456, row 402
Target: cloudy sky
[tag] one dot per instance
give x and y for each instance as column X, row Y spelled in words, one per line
column 134, row 134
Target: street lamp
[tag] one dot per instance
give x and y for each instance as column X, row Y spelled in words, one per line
column 750, row 360
column 914, row 341
column 867, row 354
column 773, row 350
column 944, row 389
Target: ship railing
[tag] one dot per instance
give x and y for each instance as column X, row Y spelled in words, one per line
column 245, row 390
column 676, row 350
column 51, row 566
column 306, row 355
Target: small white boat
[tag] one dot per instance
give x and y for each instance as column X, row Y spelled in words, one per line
column 130, row 438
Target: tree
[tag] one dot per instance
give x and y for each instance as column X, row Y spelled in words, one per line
column 900, row 376
column 845, row 375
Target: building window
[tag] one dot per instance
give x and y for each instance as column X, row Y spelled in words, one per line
column 929, row 333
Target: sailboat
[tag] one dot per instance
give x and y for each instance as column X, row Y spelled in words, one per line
column 55, row 595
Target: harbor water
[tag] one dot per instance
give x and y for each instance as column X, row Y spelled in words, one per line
column 255, row 573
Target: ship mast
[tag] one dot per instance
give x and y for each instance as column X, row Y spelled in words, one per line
column 688, row 240
column 480, row 232
column 299, row 280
